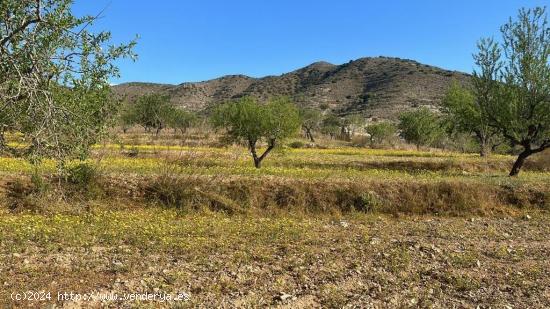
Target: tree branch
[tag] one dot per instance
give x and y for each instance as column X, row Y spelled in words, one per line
column 24, row 25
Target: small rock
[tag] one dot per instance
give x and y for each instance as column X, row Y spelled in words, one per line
column 375, row 241
column 284, row 296
column 344, row 224
column 527, row 217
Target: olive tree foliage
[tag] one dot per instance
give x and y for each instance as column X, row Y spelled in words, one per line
column 466, row 112
column 517, row 72
column 420, row 127
column 381, row 133
column 54, row 76
column 155, row 112
column 248, row 121
column 331, row 125
column 151, row 111
column 311, row 121
column 181, row 119
column 126, row 116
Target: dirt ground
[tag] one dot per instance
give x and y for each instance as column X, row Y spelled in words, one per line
column 358, row 260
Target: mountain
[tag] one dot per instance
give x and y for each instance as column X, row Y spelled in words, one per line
column 379, row 87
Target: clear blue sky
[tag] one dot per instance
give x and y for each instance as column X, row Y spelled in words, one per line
column 184, row 40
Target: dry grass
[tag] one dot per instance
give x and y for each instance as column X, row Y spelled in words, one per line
column 330, row 227
column 249, row 261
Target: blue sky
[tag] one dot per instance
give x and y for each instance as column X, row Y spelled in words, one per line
column 198, row 40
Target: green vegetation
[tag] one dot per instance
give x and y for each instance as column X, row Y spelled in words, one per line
column 468, row 115
column 420, row 127
column 54, row 77
column 247, row 120
column 311, row 121
column 152, row 112
column 381, row 133
column 515, row 77
column 335, row 218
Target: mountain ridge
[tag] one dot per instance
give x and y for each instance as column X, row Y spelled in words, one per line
column 378, row 87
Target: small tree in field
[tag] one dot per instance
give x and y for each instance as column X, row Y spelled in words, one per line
column 311, row 121
column 331, row 125
column 519, row 74
column 381, row 133
column 127, row 117
column 180, row 119
column 247, row 120
column 420, row 127
column 466, row 113
column 153, row 111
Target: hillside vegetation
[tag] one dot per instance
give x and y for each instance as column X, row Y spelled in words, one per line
column 376, row 87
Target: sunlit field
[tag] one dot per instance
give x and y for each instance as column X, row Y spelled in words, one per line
column 330, row 225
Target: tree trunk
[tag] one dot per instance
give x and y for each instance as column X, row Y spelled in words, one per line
column 258, row 160
column 484, row 150
column 2, row 141
column 309, row 135
column 519, row 162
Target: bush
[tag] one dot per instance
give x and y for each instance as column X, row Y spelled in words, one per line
column 188, row 193
column 382, row 133
column 21, row 196
column 420, row 127
column 539, row 162
column 296, row 144
column 83, row 179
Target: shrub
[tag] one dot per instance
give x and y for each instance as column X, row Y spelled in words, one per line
column 185, row 193
column 420, row 127
column 381, row 133
column 83, row 179
column 296, row 144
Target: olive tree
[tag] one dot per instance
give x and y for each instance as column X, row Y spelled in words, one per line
column 381, row 132
column 331, row 125
column 518, row 70
column 127, row 116
column 311, row 121
column 466, row 112
column 54, row 77
column 251, row 122
column 152, row 111
column 420, row 127
column 180, row 119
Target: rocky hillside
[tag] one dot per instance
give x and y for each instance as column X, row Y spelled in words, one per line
column 375, row 87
